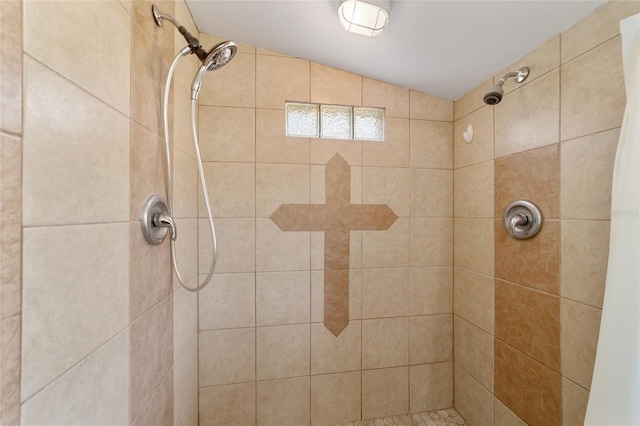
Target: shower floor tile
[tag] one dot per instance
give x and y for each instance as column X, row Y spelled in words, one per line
column 428, row 418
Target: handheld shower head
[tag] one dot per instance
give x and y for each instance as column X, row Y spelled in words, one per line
column 494, row 95
column 219, row 56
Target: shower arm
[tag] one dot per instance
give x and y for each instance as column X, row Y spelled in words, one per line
column 194, row 43
column 519, row 76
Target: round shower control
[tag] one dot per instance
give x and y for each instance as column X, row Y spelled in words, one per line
column 522, row 219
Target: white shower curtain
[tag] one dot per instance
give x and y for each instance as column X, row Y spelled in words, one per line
column 615, row 388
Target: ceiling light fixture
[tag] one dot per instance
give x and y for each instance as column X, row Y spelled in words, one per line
column 365, row 18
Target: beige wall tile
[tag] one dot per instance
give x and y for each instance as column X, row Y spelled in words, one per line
column 149, row 65
column 394, row 150
column 580, row 329
column 431, row 386
column 151, row 355
column 186, row 249
column 72, row 303
column 473, row 244
column 185, row 381
column 506, row 417
column 227, row 356
column 529, row 321
column 431, row 290
column 231, row 188
column 471, row 101
column 583, row 108
column 474, row 351
column 187, row 68
column 335, row 397
column 283, row 297
column 596, row 28
column 185, row 186
column 236, row 240
column 388, row 248
column 321, row 150
column 272, row 144
column 427, row 107
column 220, row 405
column 60, row 46
column 385, row 292
column 394, row 99
column 584, row 254
column 385, row 392
column 182, row 137
column 335, row 354
column 233, row 85
column 278, row 184
column 387, row 185
column 94, row 177
column 11, row 25
column 95, row 391
column 481, row 147
column 147, row 168
column 474, row 298
column 191, row 418
column 227, row 134
column 588, row 195
column 149, row 272
column 277, row 250
column 185, row 320
column 431, row 193
column 280, row 79
column 159, row 409
column 283, row 351
column 574, row 403
column 10, row 229
column 334, row 86
column 10, row 332
column 472, row 401
column 227, row 302
column 430, row 339
column 473, row 190
column 284, row 402
column 540, row 61
column 317, row 295
column 527, row 118
column 431, row 241
column 385, row 342
column 431, row 144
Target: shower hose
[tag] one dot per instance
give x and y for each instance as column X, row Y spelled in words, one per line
column 203, row 183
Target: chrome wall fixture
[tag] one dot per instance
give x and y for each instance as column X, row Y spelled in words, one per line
column 494, row 95
column 156, row 221
column 522, row 219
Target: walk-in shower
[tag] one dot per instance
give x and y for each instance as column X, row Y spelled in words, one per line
column 157, row 214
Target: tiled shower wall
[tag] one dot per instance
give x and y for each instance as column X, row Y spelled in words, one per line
column 265, row 355
column 527, row 313
column 106, row 338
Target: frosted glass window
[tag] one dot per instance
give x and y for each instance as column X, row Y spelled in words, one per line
column 336, row 122
column 368, row 123
column 302, row 120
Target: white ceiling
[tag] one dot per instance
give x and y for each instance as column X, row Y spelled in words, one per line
column 443, row 48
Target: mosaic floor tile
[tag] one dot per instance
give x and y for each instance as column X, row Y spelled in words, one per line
column 428, row 418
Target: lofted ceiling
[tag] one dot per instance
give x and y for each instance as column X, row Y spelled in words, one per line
column 443, row 48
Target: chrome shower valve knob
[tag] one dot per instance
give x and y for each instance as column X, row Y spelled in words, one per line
column 522, row 219
column 155, row 220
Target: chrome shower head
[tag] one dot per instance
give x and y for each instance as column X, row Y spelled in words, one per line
column 220, row 55
column 494, row 95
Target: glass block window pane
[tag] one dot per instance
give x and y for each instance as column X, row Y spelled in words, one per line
column 368, row 123
column 336, row 122
column 302, row 120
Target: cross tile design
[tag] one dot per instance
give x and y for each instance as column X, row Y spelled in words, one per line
column 336, row 218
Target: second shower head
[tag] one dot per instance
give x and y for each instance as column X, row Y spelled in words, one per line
column 494, row 95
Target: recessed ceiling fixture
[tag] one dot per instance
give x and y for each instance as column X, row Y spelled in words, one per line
column 365, row 18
